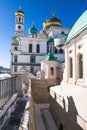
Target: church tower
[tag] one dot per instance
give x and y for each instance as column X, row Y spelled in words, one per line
column 19, row 23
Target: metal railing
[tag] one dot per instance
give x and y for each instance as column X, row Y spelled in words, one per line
column 7, row 89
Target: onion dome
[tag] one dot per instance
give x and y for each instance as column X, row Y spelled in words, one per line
column 32, row 30
column 52, row 22
column 19, row 12
column 78, row 27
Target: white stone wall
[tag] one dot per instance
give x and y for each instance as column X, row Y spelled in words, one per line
column 60, row 56
column 73, row 49
column 57, row 30
column 59, row 41
column 46, row 67
column 23, row 58
column 34, row 41
column 39, row 59
column 71, row 98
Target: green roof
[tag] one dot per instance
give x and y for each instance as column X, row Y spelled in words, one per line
column 78, row 27
column 50, row 57
column 61, row 35
column 50, row 40
column 33, row 30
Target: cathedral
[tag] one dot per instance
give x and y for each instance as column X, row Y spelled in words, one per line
column 28, row 52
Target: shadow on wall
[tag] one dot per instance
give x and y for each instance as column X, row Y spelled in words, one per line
column 72, row 112
column 72, row 109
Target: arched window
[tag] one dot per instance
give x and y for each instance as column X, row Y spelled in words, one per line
column 15, row 48
column 52, row 71
column 19, row 19
column 30, row 48
column 38, row 48
column 70, row 67
column 62, row 32
column 80, row 66
column 15, row 58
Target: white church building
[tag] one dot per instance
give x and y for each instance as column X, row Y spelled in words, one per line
column 69, row 100
column 28, row 52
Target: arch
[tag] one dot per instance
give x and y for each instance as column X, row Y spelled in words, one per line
column 38, row 48
column 62, row 32
column 15, row 48
column 80, row 66
column 30, row 48
column 70, row 67
column 22, row 20
column 52, row 70
column 19, row 19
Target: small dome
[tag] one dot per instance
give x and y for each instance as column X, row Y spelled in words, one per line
column 52, row 22
column 19, row 12
column 33, row 30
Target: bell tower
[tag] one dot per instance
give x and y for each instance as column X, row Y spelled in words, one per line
column 19, row 23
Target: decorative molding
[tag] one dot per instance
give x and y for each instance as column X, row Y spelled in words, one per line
column 26, row 64
column 36, row 54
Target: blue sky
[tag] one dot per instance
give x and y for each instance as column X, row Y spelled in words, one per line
column 66, row 10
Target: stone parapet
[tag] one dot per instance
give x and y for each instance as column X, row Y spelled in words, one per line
column 5, row 111
column 68, row 106
column 40, row 89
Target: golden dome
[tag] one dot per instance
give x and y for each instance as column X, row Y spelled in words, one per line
column 19, row 12
column 52, row 22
